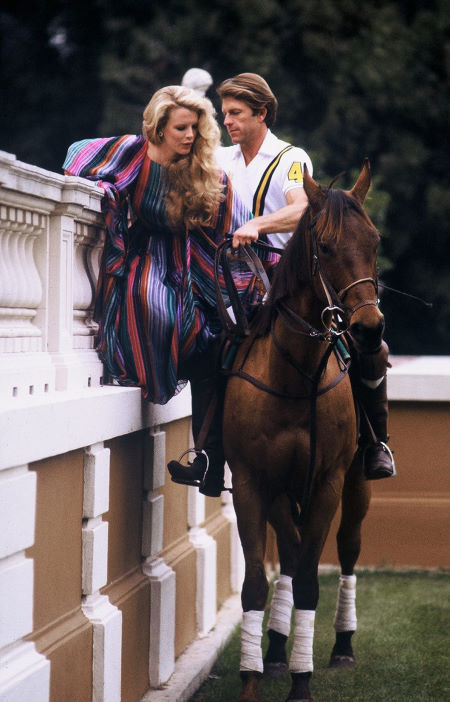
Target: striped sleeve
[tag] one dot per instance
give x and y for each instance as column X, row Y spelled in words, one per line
column 113, row 160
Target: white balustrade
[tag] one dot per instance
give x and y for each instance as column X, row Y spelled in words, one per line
column 50, row 243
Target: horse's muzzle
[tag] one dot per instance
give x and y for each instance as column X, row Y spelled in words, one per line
column 367, row 337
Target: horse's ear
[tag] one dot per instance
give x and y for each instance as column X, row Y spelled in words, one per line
column 314, row 193
column 362, row 185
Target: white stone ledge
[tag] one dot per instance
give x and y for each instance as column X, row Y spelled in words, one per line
column 419, row 378
column 34, row 428
column 26, row 179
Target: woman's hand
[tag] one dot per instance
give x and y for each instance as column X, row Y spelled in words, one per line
column 246, row 234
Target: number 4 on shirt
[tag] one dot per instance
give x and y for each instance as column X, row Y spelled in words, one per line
column 295, row 172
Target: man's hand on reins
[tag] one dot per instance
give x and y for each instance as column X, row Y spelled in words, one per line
column 247, row 234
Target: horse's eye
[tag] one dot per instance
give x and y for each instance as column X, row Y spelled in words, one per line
column 324, row 248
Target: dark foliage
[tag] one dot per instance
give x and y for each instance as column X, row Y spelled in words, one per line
column 353, row 80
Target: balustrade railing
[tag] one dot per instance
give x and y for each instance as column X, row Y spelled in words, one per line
column 50, row 239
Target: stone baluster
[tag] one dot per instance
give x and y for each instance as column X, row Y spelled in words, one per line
column 20, row 283
column 23, row 297
column 88, row 244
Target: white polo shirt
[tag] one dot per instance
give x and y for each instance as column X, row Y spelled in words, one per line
column 287, row 175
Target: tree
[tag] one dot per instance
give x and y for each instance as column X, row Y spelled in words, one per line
column 353, row 80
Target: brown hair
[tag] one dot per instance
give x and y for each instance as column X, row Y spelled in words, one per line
column 254, row 90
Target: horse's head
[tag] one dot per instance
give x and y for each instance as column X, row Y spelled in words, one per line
column 343, row 257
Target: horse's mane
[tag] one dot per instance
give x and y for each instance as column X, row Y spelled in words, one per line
column 294, row 267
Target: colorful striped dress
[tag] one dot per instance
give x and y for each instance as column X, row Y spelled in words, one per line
column 155, row 300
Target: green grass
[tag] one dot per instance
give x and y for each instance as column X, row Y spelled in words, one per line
column 401, row 645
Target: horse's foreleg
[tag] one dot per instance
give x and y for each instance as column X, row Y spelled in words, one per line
column 251, row 664
column 322, row 507
column 355, row 503
column 279, row 627
column 251, row 519
column 301, row 660
column 279, row 623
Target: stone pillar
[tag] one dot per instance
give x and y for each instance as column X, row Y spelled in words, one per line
column 160, row 575
column 72, row 275
column 105, row 617
column 24, row 673
column 206, row 551
column 237, row 555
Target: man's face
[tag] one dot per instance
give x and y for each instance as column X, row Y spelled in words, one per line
column 242, row 125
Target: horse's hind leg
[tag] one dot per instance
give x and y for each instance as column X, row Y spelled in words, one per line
column 355, row 503
column 251, row 518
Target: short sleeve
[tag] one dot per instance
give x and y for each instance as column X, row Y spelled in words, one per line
column 292, row 168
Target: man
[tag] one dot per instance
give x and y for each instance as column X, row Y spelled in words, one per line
column 266, row 171
column 268, row 175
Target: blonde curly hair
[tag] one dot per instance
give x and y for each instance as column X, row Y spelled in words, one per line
column 195, row 188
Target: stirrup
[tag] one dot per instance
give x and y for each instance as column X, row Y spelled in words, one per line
column 211, row 488
column 387, row 450
column 391, row 456
column 193, row 482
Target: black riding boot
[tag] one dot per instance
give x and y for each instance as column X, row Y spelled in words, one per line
column 207, row 469
column 378, row 460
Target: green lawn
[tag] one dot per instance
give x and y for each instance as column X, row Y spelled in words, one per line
column 401, row 645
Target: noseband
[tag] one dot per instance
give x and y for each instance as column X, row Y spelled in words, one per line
column 342, row 293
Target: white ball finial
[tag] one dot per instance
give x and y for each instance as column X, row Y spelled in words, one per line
column 197, row 79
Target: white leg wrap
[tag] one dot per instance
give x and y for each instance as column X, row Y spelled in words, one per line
column 345, row 617
column 251, row 634
column 281, row 606
column 301, row 660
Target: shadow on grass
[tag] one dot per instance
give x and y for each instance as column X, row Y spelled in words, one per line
column 401, row 645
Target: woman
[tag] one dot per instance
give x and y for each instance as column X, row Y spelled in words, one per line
column 166, row 208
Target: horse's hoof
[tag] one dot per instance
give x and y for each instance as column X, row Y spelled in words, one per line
column 340, row 662
column 249, row 692
column 300, row 688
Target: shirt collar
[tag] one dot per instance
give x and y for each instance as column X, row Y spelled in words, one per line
column 269, row 146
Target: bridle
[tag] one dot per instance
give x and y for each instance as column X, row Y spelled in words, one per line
column 341, row 313
column 336, row 299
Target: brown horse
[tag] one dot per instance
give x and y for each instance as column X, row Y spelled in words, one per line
column 290, row 429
